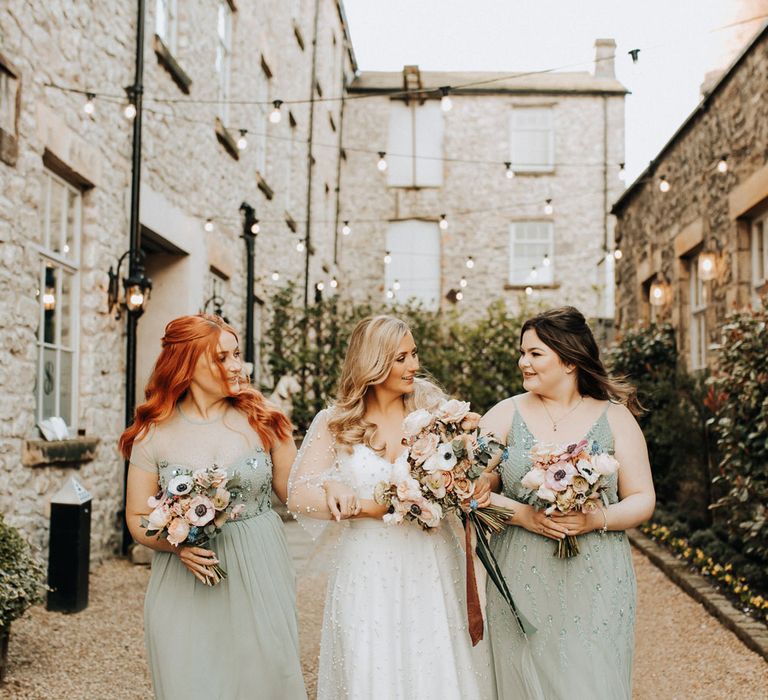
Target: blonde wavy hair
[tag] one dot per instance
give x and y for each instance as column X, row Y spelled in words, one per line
column 369, row 359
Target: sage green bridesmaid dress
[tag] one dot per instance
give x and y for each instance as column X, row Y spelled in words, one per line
column 583, row 608
column 237, row 640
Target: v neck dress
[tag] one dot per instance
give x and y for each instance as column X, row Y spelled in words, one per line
column 583, row 607
column 238, row 639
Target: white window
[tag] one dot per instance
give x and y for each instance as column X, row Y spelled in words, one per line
column 415, row 145
column 224, row 58
column 698, row 320
column 759, row 235
column 166, row 24
column 291, row 166
column 9, row 85
column 531, row 253
column 58, row 299
column 414, row 272
column 532, row 139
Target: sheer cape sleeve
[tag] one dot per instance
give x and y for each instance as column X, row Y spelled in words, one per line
column 316, row 463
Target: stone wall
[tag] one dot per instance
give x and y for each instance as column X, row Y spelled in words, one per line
column 187, row 177
column 704, row 210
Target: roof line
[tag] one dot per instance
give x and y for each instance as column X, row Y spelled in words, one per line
column 700, row 109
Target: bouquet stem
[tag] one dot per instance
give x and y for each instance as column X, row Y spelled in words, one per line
column 217, row 574
column 569, row 547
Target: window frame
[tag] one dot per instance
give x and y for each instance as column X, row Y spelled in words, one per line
column 529, row 281
column 758, row 282
column 416, row 179
column 389, row 278
column 697, row 305
column 518, row 167
column 67, row 263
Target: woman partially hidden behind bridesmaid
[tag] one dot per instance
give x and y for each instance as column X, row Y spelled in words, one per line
column 239, row 638
column 583, row 607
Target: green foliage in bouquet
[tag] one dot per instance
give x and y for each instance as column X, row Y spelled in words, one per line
column 22, row 575
column 674, row 421
column 739, row 399
column 474, row 359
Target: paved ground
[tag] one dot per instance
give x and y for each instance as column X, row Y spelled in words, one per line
column 682, row 652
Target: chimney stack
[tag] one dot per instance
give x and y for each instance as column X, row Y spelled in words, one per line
column 605, row 58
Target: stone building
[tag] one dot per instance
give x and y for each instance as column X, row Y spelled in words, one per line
column 214, row 71
column 693, row 228
column 515, row 180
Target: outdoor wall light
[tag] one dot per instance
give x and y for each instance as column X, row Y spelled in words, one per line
column 658, row 295
column 136, row 289
column 707, row 266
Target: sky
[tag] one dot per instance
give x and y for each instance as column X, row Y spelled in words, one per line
column 679, row 41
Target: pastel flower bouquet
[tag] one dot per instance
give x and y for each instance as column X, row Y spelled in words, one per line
column 193, row 508
column 446, row 456
column 567, row 479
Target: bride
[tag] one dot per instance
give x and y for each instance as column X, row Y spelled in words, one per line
column 395, row 623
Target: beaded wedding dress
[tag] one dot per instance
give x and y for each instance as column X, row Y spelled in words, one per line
column 394, row 625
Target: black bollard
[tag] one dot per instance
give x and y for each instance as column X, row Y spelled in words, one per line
column 70, row 548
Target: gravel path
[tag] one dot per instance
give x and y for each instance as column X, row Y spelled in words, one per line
column 682, row 652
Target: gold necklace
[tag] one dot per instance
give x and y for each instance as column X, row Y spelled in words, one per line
column 563, row 417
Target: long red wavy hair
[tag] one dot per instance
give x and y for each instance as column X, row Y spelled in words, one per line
column 186, row 339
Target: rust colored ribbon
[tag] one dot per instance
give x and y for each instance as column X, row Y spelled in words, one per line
column 474, row 613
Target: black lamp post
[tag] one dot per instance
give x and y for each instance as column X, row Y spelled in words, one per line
column 250, row 230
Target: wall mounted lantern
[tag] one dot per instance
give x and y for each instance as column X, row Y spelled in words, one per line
column 136, row 289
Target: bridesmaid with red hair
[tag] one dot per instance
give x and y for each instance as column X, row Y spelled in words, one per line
column 239, row 638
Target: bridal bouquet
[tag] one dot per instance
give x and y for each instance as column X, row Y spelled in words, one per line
column 193, row 508
column 566, row 479
column 446, row 455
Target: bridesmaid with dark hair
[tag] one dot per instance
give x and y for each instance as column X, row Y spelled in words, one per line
column 237, row 639
column 583, row 607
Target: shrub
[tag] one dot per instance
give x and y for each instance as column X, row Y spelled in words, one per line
column 739, row 399
column 22, row 575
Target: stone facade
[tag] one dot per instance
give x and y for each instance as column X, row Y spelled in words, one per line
column 48, row 141
column 479, row 200
column 699, row 248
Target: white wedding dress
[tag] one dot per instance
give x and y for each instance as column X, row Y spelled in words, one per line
column 395, row 625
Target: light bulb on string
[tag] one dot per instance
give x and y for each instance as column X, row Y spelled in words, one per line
column 470, row 262
column 387, row 258
column 509, row 172
column 275, row 115
column 663, row 183
column 622, row 172
column 722, row 165
column 635, row 54
column 242, row 142
column 300, row 246
column 390, row 294
column 546, row 262
column 89, row 108
column 443, row 223
column 130, row 111
column 529, row 291
column 396, row 285
column 334, row 282
column 346, row 228
column 382, row 164
column 275, row 276
column 445, row 101
column 208, row 225
column 548, row 208
column 459, row 296
column 255, row 228
column 617, row 254
column 320, row 286
column 463, row 282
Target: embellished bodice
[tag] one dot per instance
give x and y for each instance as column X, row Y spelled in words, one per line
column 520, row 440
column 363, row 469
column 255, row 472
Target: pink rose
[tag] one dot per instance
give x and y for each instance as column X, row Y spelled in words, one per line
column 424, row 448
column 200, row 511
column 546, row 494
column 464, row 488
column 178, row 531
column 409, row 490
column 534, row 478
column 218, row 477
column 415, row 422
column 605, row 464
column 452, row 411
column 471, row 421
column 431, row 514
column 159, row 517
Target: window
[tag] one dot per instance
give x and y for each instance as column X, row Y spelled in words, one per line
column 9, row 85
column 58, row 298
column 224, row 58
column 759, row 236
column 414, row 272
column 531, row 253
column 415, row 145
column 698, row 302
column 166, row 23
column 532, row 139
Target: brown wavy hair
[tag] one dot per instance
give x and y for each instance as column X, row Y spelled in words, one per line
column 186, row 339
column 567, row 333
